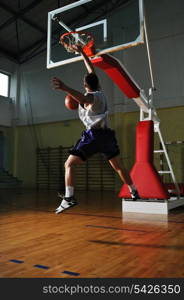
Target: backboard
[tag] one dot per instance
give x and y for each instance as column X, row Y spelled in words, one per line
column 115, row 26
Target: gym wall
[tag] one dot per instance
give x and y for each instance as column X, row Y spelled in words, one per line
column 54, row 125
column 8, row 147
column 66, row 133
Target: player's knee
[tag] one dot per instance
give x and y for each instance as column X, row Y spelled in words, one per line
column 69, row 164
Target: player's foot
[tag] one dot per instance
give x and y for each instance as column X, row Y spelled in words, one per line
column 66, row 203
column 134, row 195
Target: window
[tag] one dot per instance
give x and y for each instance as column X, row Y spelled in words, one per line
column 4, row 85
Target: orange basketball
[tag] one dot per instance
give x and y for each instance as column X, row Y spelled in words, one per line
column 70, row 102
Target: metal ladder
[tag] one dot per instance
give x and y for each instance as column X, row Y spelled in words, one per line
column 164, row 151
column 151, row 114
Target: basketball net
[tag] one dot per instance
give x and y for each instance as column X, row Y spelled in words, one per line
column 79, row 38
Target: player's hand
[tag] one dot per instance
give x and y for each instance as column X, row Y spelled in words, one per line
column 58, row 84
column 77, row 48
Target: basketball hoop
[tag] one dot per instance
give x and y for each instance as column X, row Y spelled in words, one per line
column 83, row 39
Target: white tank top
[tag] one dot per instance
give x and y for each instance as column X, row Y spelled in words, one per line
column 95, row 115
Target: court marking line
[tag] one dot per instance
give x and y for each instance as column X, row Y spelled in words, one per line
column 71, row 273
column 16, row 261
column 154, row 246
column 116, row 217
column 117, row 228
column 89, row 215
column 41, row 267
column 45, row 267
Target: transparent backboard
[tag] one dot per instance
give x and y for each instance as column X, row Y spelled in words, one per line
column 114, row 27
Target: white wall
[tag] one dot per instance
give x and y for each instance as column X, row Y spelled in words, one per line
column 40, row 101
column 165, row 24
column 7, row 104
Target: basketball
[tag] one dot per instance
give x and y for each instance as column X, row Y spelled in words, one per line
column 70, row 102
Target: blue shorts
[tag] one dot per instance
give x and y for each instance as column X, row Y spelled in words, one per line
column 95, row 141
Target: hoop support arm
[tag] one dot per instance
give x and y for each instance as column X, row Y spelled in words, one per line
column 118, row 73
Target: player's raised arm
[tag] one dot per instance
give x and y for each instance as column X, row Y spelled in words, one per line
column 87, row 61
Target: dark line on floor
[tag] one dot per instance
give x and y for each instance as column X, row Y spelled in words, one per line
column 90, row 215
column 155, row 221
column 117, row 228
column 71, row 273
column 16, row 261
column 129, row 218
column 41, row 267
column 166, row 247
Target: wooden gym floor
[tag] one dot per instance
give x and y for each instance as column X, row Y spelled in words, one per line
column 91, row 240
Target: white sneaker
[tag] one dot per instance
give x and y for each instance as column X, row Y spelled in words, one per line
column 65, row 204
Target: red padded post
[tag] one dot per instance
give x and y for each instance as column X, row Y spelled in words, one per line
column 118, row 74
column 143, row 173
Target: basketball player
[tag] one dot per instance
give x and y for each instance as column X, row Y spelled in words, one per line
column 97, row 138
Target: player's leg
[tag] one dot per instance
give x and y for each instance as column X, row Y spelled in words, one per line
column 119, row 168
column 111, row 151
column 124, row 175
column 70, row 165
column 84, row 148
column 68, row 199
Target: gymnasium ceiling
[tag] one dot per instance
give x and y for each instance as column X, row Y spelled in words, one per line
column 23, row 24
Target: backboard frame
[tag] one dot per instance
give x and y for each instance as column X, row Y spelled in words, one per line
column 139, row 39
